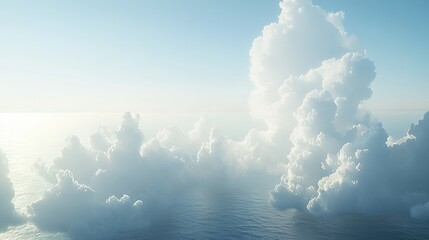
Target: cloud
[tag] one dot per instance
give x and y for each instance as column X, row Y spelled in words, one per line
column 303, row 37
column 85, row 201
column 420, row 211
column 155, row 171
column 280, row 59
column 62, row 205
column 309, row 73
column 8, row 214
column 70, row 207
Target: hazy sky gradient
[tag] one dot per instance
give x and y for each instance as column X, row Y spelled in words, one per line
column 190, row 55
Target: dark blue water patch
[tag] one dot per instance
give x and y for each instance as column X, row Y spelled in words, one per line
column 241, row 211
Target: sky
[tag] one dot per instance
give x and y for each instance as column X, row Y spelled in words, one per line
column 182, row 56
column 138, row 55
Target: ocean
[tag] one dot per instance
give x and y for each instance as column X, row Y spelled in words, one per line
column 237, row 210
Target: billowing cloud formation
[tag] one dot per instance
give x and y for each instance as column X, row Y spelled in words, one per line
column 113, row 166
column 8, row 215
column 308, row 71
column 155, row 172
column 280, row 60
column 70, row 207
column 303, row 37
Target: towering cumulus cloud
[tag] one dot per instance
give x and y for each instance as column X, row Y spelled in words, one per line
column 8, row 215
column 308, row 72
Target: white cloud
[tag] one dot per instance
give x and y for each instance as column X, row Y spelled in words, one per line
column 339, row 161
column 8, row 214
column 66, row 203
column 70, row 207
column 301, row 39
column 281, row 63
column 155, row 171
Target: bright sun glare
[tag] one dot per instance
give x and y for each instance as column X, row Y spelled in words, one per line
column 15, row 126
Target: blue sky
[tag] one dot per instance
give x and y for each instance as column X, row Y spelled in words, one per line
column 395, row 36
column 182, row 55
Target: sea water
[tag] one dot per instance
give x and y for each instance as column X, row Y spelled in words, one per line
column 236, row 210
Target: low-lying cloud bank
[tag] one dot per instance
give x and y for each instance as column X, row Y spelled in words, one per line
column 148, row 174
column 8, row 214
column 328, row 172
column 71, row 207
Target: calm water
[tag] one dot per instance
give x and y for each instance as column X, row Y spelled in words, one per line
column 238, row 212
column 239, row 209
